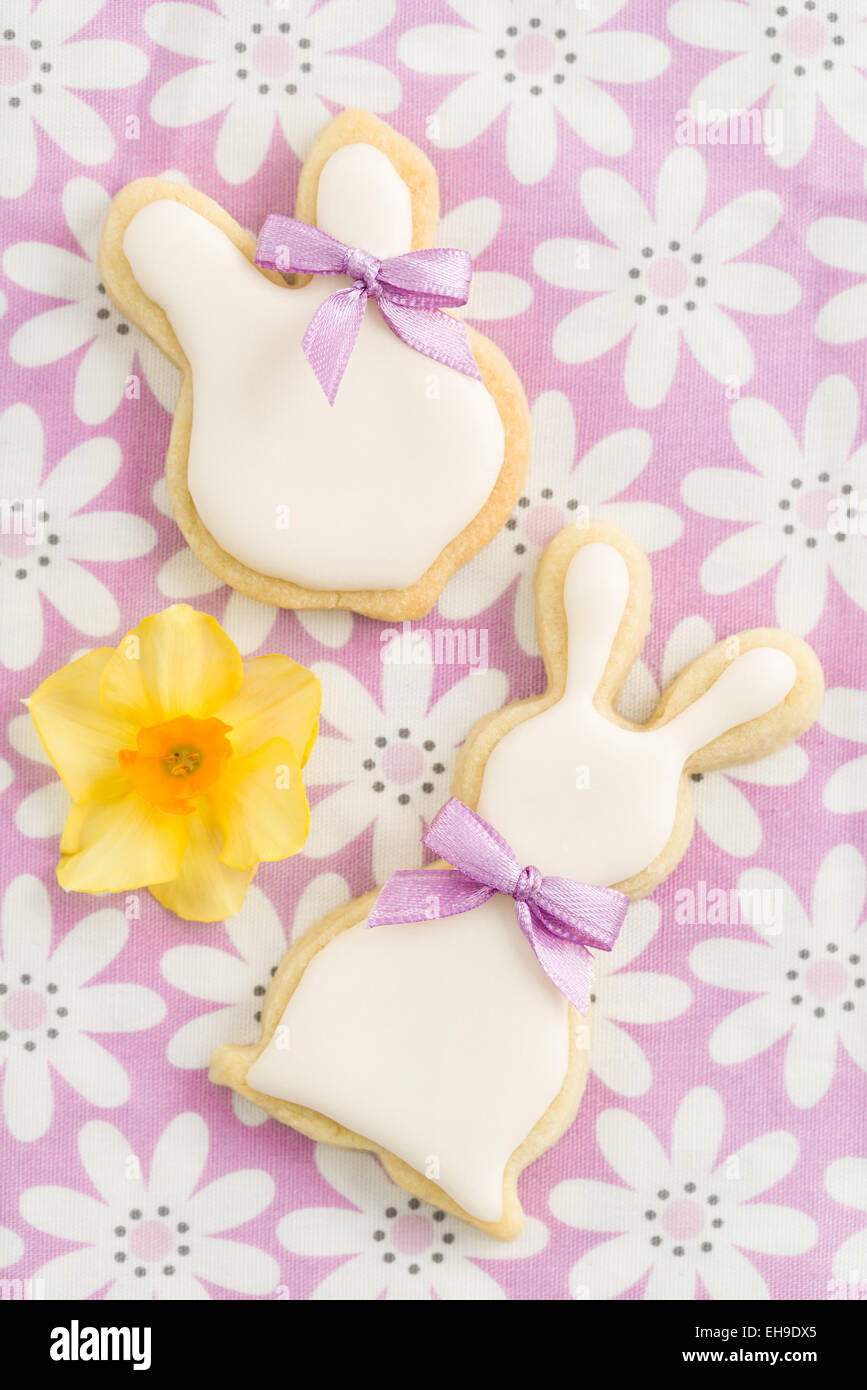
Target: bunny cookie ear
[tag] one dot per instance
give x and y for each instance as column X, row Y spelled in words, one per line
column 744, row 698
column 178, row 262
column 386, row 167
column 361, row 200
column 593, row 591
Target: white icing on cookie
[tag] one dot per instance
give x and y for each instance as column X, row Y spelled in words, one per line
column 364, row 494
column 577, row 795
column 362, row 201
column 444, row 1041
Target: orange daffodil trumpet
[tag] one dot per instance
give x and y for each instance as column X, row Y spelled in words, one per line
column 183, row 763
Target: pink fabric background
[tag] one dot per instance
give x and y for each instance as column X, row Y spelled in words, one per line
column 690, row 429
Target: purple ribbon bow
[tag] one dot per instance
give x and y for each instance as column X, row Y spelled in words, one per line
column 559, row 917
column 408, row 290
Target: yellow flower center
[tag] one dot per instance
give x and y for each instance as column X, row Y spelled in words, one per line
column 176, row 761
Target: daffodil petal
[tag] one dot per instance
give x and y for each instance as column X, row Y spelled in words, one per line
column 112, row 788
column 204, row 890
column 174, row 663
column 278, row 699
column 261, row 806
column 80, row 737
column 123, row 844
column 70, row 838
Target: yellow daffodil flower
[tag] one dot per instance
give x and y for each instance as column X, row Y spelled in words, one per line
column 183, row 763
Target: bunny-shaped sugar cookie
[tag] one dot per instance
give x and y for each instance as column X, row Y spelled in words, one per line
column 442, row 1045
column 370, row 502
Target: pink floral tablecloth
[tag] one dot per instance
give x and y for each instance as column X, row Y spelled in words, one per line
column 682, row 289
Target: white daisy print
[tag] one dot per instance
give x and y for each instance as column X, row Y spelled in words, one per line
column 558, row 492
column 397, row 1246
column 796, row 500
column 666, row 277
column 158, row 1238
column 539, row 59
column 844, row 713
column 238, row 982
column 11, row 1248
column 805, row 53
column 630, row 996
column 494, row 294
column 38, row 67
column 106, row 373
column 846, row 1182
column 808, row 976
column 47, row 534
column 183, row 576
column 392, row 765
column 723, row 811
column 841, row 242
column 686, row 1218
column 48, row 1008
column 41, row 813
column 330, row 627
column 263, row 64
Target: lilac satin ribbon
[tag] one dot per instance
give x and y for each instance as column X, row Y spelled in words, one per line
column 409, row 291
column 559, row 917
